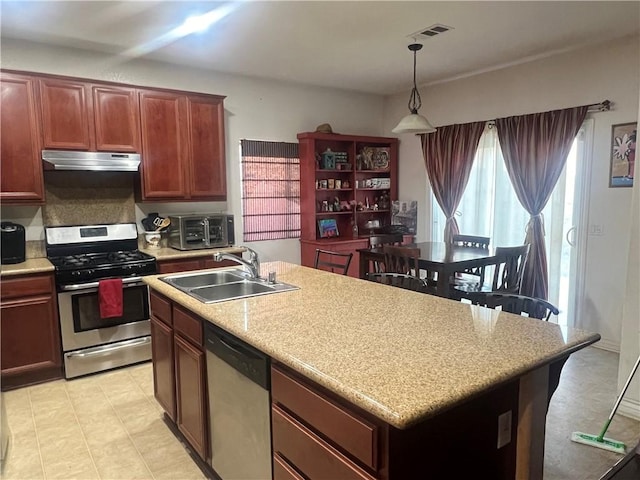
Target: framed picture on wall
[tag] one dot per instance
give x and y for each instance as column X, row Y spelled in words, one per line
column 328, row 228
column 623, row 154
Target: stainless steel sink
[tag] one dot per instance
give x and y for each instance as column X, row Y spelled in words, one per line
column 195, row 280
column 221, row 286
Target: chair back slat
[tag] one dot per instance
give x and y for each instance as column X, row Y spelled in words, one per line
column 507, row 276
column 334, row 262
column 398, row 259
column 378, row 241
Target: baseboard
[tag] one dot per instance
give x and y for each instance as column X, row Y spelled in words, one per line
column 608, row 345
column 629, row 408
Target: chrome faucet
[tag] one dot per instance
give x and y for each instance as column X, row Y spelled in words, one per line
column 252, row 265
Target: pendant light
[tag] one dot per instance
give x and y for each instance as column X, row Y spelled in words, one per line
column 414, row 122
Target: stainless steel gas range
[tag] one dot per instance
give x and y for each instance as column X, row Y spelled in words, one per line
column 83, row 256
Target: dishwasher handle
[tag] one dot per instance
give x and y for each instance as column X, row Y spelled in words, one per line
column 250, row 362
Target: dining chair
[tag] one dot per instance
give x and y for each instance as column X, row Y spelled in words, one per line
column 471, row 241
column 507, row 273
column 399, row 259
column 519, row 305
column 473, row 275
column 334, row 262
column 514, row 303
column 377, row 241
column 401, row 280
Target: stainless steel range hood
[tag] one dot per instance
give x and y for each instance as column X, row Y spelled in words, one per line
column 90, row 161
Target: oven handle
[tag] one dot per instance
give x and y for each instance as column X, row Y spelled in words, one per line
column 110, row 348
column 85, row 286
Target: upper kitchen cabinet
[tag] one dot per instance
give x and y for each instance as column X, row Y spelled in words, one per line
column 86, row 116
column 21, row 179
column 183, row 144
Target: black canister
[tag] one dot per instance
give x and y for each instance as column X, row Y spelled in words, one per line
column 12, row 247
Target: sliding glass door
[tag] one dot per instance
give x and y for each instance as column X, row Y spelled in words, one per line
column 490, row 207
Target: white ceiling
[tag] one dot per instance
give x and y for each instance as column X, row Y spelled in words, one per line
column 355, row 45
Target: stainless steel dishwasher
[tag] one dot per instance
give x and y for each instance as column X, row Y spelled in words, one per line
column 239, row 407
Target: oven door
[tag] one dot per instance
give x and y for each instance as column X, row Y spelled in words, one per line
column 217, row 231
column 80, row 322
column 193, row 232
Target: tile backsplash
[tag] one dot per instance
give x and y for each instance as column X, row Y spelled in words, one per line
column 87, row 198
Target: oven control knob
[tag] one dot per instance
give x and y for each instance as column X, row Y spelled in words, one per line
column 76, row 273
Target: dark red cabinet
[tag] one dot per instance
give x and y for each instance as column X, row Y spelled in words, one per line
column 20, row 160
column 179, row 370
column 183, row 143
column 31, row 351
column 77, row 115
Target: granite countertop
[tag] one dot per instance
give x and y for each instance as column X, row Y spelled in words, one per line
column 401, row 355
column 168, row 253
column 30, row 265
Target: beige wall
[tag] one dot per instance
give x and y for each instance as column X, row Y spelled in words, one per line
column 254, row 109
column 610, row 71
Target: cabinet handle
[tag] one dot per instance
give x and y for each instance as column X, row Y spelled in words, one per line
column 110, row 348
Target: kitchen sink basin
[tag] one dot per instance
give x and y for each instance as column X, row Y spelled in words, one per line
column 221, row 286
column 195, row 280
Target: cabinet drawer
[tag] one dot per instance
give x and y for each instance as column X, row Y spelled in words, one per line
column 187, row 325
column 160, row 307
column 178, row 266
column 282, row 470
column 26, row 286
column 349, row 431
column 310, row 454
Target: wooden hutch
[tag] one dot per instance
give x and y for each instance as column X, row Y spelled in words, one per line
column 347, row 184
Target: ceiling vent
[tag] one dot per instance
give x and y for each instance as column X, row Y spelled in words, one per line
column 431, row 31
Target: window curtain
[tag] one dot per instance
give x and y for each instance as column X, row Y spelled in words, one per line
column 535, row 149
column 448, row 156
column 489, row 206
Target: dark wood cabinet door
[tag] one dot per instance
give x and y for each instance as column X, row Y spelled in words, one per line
column 164, row 388
column 30, row 343
column 165, row 145
column 67, row 121
column 191, row 416
column 117, row 121
column 206, row 167
column 20, row 156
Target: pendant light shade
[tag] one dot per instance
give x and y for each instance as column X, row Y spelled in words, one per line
column 414, row 122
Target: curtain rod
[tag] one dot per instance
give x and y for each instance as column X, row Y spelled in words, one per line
column 603, row 106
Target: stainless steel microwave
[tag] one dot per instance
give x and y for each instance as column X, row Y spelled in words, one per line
column 193, row 231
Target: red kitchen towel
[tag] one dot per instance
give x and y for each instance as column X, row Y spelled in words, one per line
column 110, row 296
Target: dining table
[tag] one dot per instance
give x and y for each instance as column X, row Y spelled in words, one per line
column 442, row 258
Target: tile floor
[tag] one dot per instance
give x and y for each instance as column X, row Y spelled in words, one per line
column 106, row 426
column 109, row 426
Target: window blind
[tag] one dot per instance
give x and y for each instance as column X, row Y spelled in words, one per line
column 270, row 190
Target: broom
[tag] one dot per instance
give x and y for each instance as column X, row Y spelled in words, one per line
column 600, row 441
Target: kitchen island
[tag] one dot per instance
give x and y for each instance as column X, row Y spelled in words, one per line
column 441, row 387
